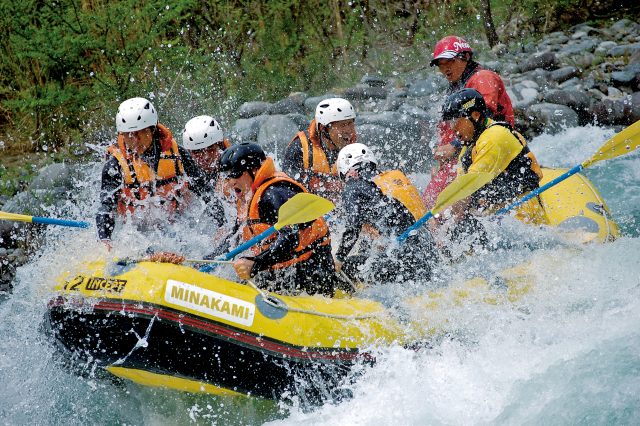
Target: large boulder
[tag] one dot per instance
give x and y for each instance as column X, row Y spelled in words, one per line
column 623, row 111
column 552, row 118
column 546, row 61
column 312, row 102
column 426, row 87
column 402, row 140
column 253, row 109
column 288, row 105
column 363, row 92
column 577, row 100
column 276, row 132
column 247, row 129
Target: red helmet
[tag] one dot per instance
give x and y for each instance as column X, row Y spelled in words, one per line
column 448, row 48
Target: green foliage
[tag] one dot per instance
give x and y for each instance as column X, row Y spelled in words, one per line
column 66, row 64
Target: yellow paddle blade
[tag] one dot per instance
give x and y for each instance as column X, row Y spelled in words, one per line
column 461, row 188
column 302, row 208
column 620, row 144
column 14, row 216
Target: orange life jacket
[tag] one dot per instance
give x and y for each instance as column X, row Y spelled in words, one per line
column 167, row 182
column 323, row 178
column 314, row 235
column 394, row 184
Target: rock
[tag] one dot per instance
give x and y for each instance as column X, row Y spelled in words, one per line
column 12, row 233
column 629, row 76
column 495, row 66
column 614, row 94
column 275, row 134
column 621, row 111
column 286, row 106
column 247, row 129
column 579, row 34
column 363, row 93
column 577, row 100
column 522, row 97
column 396, row 148
column 605, row 47
column 529, row 84
column 426, row 87
column 415, row 112
column 499, row 49
column 311, row 103
column 572, row 84
column 597, row 94
column 546, row 61
column 253, row 109
column 373, row 81
column 564, row 74
column 53, row 175
column 624, row 50
column 623, row 26
column 553, row 117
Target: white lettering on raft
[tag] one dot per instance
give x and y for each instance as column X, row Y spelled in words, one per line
column 209, row 302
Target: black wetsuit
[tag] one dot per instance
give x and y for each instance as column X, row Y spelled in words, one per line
column 314, row 275
column 364, row 203
column 113, row 182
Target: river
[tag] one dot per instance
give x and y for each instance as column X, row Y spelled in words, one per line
column 567, row 353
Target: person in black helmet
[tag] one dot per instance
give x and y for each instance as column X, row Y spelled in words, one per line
column 494, row 147
column 297, row 258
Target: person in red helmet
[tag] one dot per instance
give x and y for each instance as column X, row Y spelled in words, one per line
column 454, row 58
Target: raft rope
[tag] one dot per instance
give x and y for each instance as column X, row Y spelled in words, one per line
column 276, row 303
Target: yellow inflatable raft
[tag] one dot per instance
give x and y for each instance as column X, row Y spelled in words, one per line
column 173, row 326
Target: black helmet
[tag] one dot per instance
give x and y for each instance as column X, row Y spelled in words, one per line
column 463, row 103
column 240, row 158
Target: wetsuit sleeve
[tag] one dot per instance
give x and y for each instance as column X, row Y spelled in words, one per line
column 293, row 163
column 110, row 188
column 199, row 184
column 357, row 198
column 287, row 238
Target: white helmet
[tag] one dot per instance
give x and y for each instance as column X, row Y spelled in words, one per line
column 334, row 109
column 354, row 154
column 136, row 114
column 201, row 132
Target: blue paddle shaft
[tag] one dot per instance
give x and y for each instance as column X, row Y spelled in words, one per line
column 543, row 188
column 50, row 221
column 242, row 247
column 415, row 226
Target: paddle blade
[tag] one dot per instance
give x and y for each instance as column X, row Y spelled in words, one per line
column 620, row 144
column 14, row 216
column 461, row 188
column 302, row 208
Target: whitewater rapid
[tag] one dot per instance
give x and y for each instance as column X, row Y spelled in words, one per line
column 567, row 353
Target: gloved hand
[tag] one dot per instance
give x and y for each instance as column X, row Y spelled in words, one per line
column 166, row 257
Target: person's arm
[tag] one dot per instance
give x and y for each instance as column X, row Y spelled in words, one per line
column 293, row 164
column 110, row 188
column 356, row 200
column 201, row 186
column 287, row 239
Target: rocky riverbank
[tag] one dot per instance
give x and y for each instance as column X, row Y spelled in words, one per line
column 585, row 75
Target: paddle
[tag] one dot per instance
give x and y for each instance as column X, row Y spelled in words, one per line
column 459, row 189
column 301, row 208
column 42, row 220
column 620, row 144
